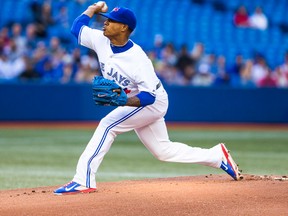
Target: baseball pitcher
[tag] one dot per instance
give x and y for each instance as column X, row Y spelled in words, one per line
column 130, row 83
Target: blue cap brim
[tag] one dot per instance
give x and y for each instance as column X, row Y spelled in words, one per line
column 108, row 15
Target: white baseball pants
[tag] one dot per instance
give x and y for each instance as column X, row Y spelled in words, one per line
column 148, row 123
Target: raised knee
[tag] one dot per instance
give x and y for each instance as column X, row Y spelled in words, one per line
column 162, row 155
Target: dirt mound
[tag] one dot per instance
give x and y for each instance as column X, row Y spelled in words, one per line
column 197, row 195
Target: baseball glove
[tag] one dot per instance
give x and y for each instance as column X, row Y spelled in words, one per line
column 107, row 92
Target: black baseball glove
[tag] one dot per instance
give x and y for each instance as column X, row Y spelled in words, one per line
column 107, row 92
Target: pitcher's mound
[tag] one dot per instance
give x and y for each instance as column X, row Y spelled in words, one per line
column 197, row 195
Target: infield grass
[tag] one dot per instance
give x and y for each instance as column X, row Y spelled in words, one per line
column 33, row 157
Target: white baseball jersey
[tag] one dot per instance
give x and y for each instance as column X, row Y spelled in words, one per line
column 133, row 70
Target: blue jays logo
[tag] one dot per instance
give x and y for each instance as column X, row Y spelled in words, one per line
column 119, row 78
column 116, row 9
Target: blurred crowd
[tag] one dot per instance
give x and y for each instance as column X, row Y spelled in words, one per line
column 197, row 68
column 27, row 54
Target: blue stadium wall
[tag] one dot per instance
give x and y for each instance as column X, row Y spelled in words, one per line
column 73, row 102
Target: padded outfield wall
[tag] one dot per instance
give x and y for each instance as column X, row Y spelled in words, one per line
column 73, row 102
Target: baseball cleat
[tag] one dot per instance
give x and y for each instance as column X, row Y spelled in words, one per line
column 73, row 188
column 228, row 164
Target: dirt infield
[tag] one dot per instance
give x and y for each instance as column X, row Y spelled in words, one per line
column 198, row 195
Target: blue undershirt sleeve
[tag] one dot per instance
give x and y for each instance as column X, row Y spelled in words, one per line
column 145, row 98
column 82, row 20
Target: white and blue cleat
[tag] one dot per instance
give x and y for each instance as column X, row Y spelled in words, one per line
column 73, row 188
column 228, row 164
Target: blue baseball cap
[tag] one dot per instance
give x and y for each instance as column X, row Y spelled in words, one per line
column 122, row 15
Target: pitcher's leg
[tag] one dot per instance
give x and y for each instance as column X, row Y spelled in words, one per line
column 93, row 155
column 156, row 140
column 120, row 120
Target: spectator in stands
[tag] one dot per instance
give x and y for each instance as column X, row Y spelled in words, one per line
column 169, row 55
column 185, row 64
column 29, row 73
column 12, row 51
column 241, row 17
column 166, row 65
column 1, row 44
column 57, row 61
column 158, row 46
column 157, row 64
column 245, row 76
column 198, row 52
column 163, row 59
column 209, row 60
column 282, row 72
column 18, row 38
column 11, row 60
column 170, row 75
column 31, row 39
column 5, row 66
column 235, row 69
column 56, row 54
column 42, row 64
column 237, row 65
column 89, row 68
column 203, row 77
column 188, row 75
column 67, row 69
column 204, row 70
column 259, row 69
column 258, row 19
column 55, row 45
column 269, row 80
column 281, row 78
column 184, row 59
column 76, row 62
column 10, row 69
column 4, row 39
column 222, row 77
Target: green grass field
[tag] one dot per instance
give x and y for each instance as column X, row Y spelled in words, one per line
column 44, row 157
